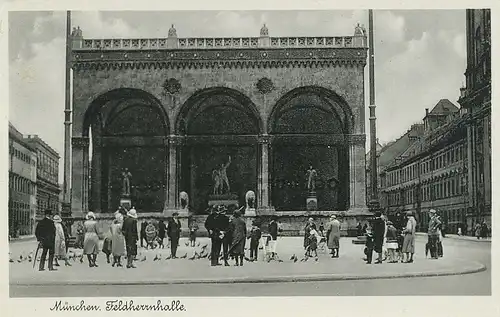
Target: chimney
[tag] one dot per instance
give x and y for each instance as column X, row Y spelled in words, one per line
column 426, row 112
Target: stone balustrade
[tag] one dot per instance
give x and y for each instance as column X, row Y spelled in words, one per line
column 357, row 41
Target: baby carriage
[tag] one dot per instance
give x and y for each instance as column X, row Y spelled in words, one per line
column 151, row 236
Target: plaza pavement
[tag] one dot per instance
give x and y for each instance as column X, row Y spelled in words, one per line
column 349, row 266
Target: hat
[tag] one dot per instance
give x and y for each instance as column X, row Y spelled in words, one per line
column 311, row 219
column 333, row 217
column 47, row 212
column 89, row 215
column 175, row 213
column 409, row 213
column 378, row 214
column 132, row 213
column 118, row 216
column 432, row 211
column 57, row 219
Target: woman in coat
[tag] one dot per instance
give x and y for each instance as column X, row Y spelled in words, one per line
column 60, row 242
column 333, row 236
column 91, row 239
column 310, row 224
column 117, row 240
column 238, row 229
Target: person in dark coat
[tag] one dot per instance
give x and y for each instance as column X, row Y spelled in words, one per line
column 213, row 234
column 66, row 235
column 162, row 229
column 273, row 229
column 144, row 224
column 45, row 233
column 193, row 229
column 174, row 234
column 378, row 231
column 255, row 235
column 310, row 224
column 226, row 238
column 129, row 230
column 238, row 229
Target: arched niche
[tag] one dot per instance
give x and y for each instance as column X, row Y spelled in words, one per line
column 309, row 126
column 128, row 128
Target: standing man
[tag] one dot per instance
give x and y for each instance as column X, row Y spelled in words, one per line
column 378, row 229
column 214, row 235
column 45, row 233
column 227, row 239
column 409, row 238
column 273, row 232
column 129, row 230
column 433, row 233
column 333, row 236
column 162, row 228
column 174, row 233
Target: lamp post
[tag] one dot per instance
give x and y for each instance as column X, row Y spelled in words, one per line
column 374, row 204
column 66, row 205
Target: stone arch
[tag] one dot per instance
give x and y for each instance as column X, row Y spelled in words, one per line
column 325, row 100
column 118, row 99
column 310, row 126
column 213, row 100
column 129, row 130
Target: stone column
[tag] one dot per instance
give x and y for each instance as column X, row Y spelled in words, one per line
column 79, row 190
column 172, row 187
column 263, row 178
column 96, row 175
column 487, row 164
column 357, row 172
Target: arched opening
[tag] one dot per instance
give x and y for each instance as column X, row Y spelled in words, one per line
column 220, row 128
column 308, row 126
column 126, row 130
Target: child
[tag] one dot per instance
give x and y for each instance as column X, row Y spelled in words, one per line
column 369, row 247
column 106, row 248
column 314, row 237
column 193, row 228
column 255, row 235
column 392, row 242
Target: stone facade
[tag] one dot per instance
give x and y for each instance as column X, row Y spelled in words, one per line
column 238, row 95
column 431, row 173
column 476, row 100
column 22, row 184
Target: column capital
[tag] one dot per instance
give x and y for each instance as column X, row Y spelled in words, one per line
column 80, row 142
column 264, row 139
column 356, row 138
column 174, row 140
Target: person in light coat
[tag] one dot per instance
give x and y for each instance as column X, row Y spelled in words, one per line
column 60, row 242
column 333, row 236
column 91, row 239
column 409, row 238
column 117, row 240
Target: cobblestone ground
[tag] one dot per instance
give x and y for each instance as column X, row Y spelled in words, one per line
column 183, row 270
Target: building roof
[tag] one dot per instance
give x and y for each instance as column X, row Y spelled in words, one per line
column 18, row 136
column 37, row 142
column 443, row 107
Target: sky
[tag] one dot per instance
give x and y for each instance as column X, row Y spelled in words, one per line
column 420, row 56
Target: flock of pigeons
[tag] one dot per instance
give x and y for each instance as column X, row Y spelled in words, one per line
column 202, row 252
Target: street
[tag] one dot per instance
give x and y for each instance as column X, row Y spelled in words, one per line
column 466, row 285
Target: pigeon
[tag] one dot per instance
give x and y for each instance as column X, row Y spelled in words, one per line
column 81, row 258
column 30, row 257
column 193, row 257
column 198, row 244
column 280, row 261
column 209, row 256
column 184, row 256
column 168, row 257
column 21, row 259
column 204, row 256
column 157, row 258
column 204, row 246
column 143, row 259
column 316, row 259
column 10, row 260
column 187, row 244
column 293, row 257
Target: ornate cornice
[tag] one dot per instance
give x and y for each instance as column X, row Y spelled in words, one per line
column 80, row 142
column 237, row 58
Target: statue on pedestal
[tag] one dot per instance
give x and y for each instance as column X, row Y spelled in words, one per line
column 184, row 201
column 220, row 178
column 311, row 175
column 250, row 201
column 126, row 177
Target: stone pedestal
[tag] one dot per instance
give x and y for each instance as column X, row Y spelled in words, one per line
column 224, row 200
column 250, row 212
column 312, row 202
column 126, row 202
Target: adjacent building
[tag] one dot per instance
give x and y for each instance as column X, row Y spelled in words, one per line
column 22, row 184
column 431, row 172
column 476, row 100
column 47, row 172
